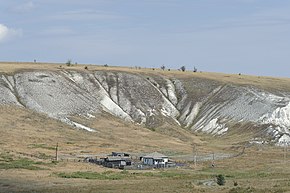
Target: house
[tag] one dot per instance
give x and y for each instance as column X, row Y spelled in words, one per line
column 155, row 159
column 117, row 162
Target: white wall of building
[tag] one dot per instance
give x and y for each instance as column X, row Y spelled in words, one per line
column 151, row 161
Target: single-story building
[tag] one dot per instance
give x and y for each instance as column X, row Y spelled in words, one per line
column 116, row 162
column 155, row 159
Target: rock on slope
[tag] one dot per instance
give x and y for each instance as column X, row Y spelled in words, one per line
column 194, row 103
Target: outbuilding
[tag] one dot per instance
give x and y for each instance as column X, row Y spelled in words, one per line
column 117, row 162
column 155, row 159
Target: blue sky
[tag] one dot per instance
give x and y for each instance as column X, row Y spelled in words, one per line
column 231, row 36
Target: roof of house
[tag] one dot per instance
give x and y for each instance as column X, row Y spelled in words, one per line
column 155, row 155
column 115, row 158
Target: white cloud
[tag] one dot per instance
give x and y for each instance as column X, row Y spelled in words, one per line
column 8, row 33
column 3, row 32
column 26, row 7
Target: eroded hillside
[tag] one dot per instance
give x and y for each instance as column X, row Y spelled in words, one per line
column 189, row 101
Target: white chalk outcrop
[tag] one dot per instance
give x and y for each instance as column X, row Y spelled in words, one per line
column 197, row 104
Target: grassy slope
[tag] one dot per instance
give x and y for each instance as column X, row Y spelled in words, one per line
column 24, row 130
column 28, row 135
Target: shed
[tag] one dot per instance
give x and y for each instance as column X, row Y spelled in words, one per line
column 155, row 159
column 117, row 161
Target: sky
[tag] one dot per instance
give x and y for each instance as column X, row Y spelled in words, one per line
column 230, row 36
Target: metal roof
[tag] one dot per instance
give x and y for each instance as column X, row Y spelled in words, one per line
column 117, row 158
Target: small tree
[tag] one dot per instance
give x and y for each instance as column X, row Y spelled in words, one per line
column 68, row 63
column 182, row 68
column 236, row 183
column 220, row 180
column 162, row 67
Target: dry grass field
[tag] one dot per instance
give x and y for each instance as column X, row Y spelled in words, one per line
column 28, row 140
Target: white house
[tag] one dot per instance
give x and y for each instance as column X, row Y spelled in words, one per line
column 155, row 159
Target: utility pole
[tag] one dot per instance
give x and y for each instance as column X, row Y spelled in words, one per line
column 285, row 150
column 213, row 160
column 56, row 151
column 195, row 155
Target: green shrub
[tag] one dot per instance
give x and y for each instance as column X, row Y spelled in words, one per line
column 235, row 183
column 182, row 68
column 68, row 63
column 220, row 180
